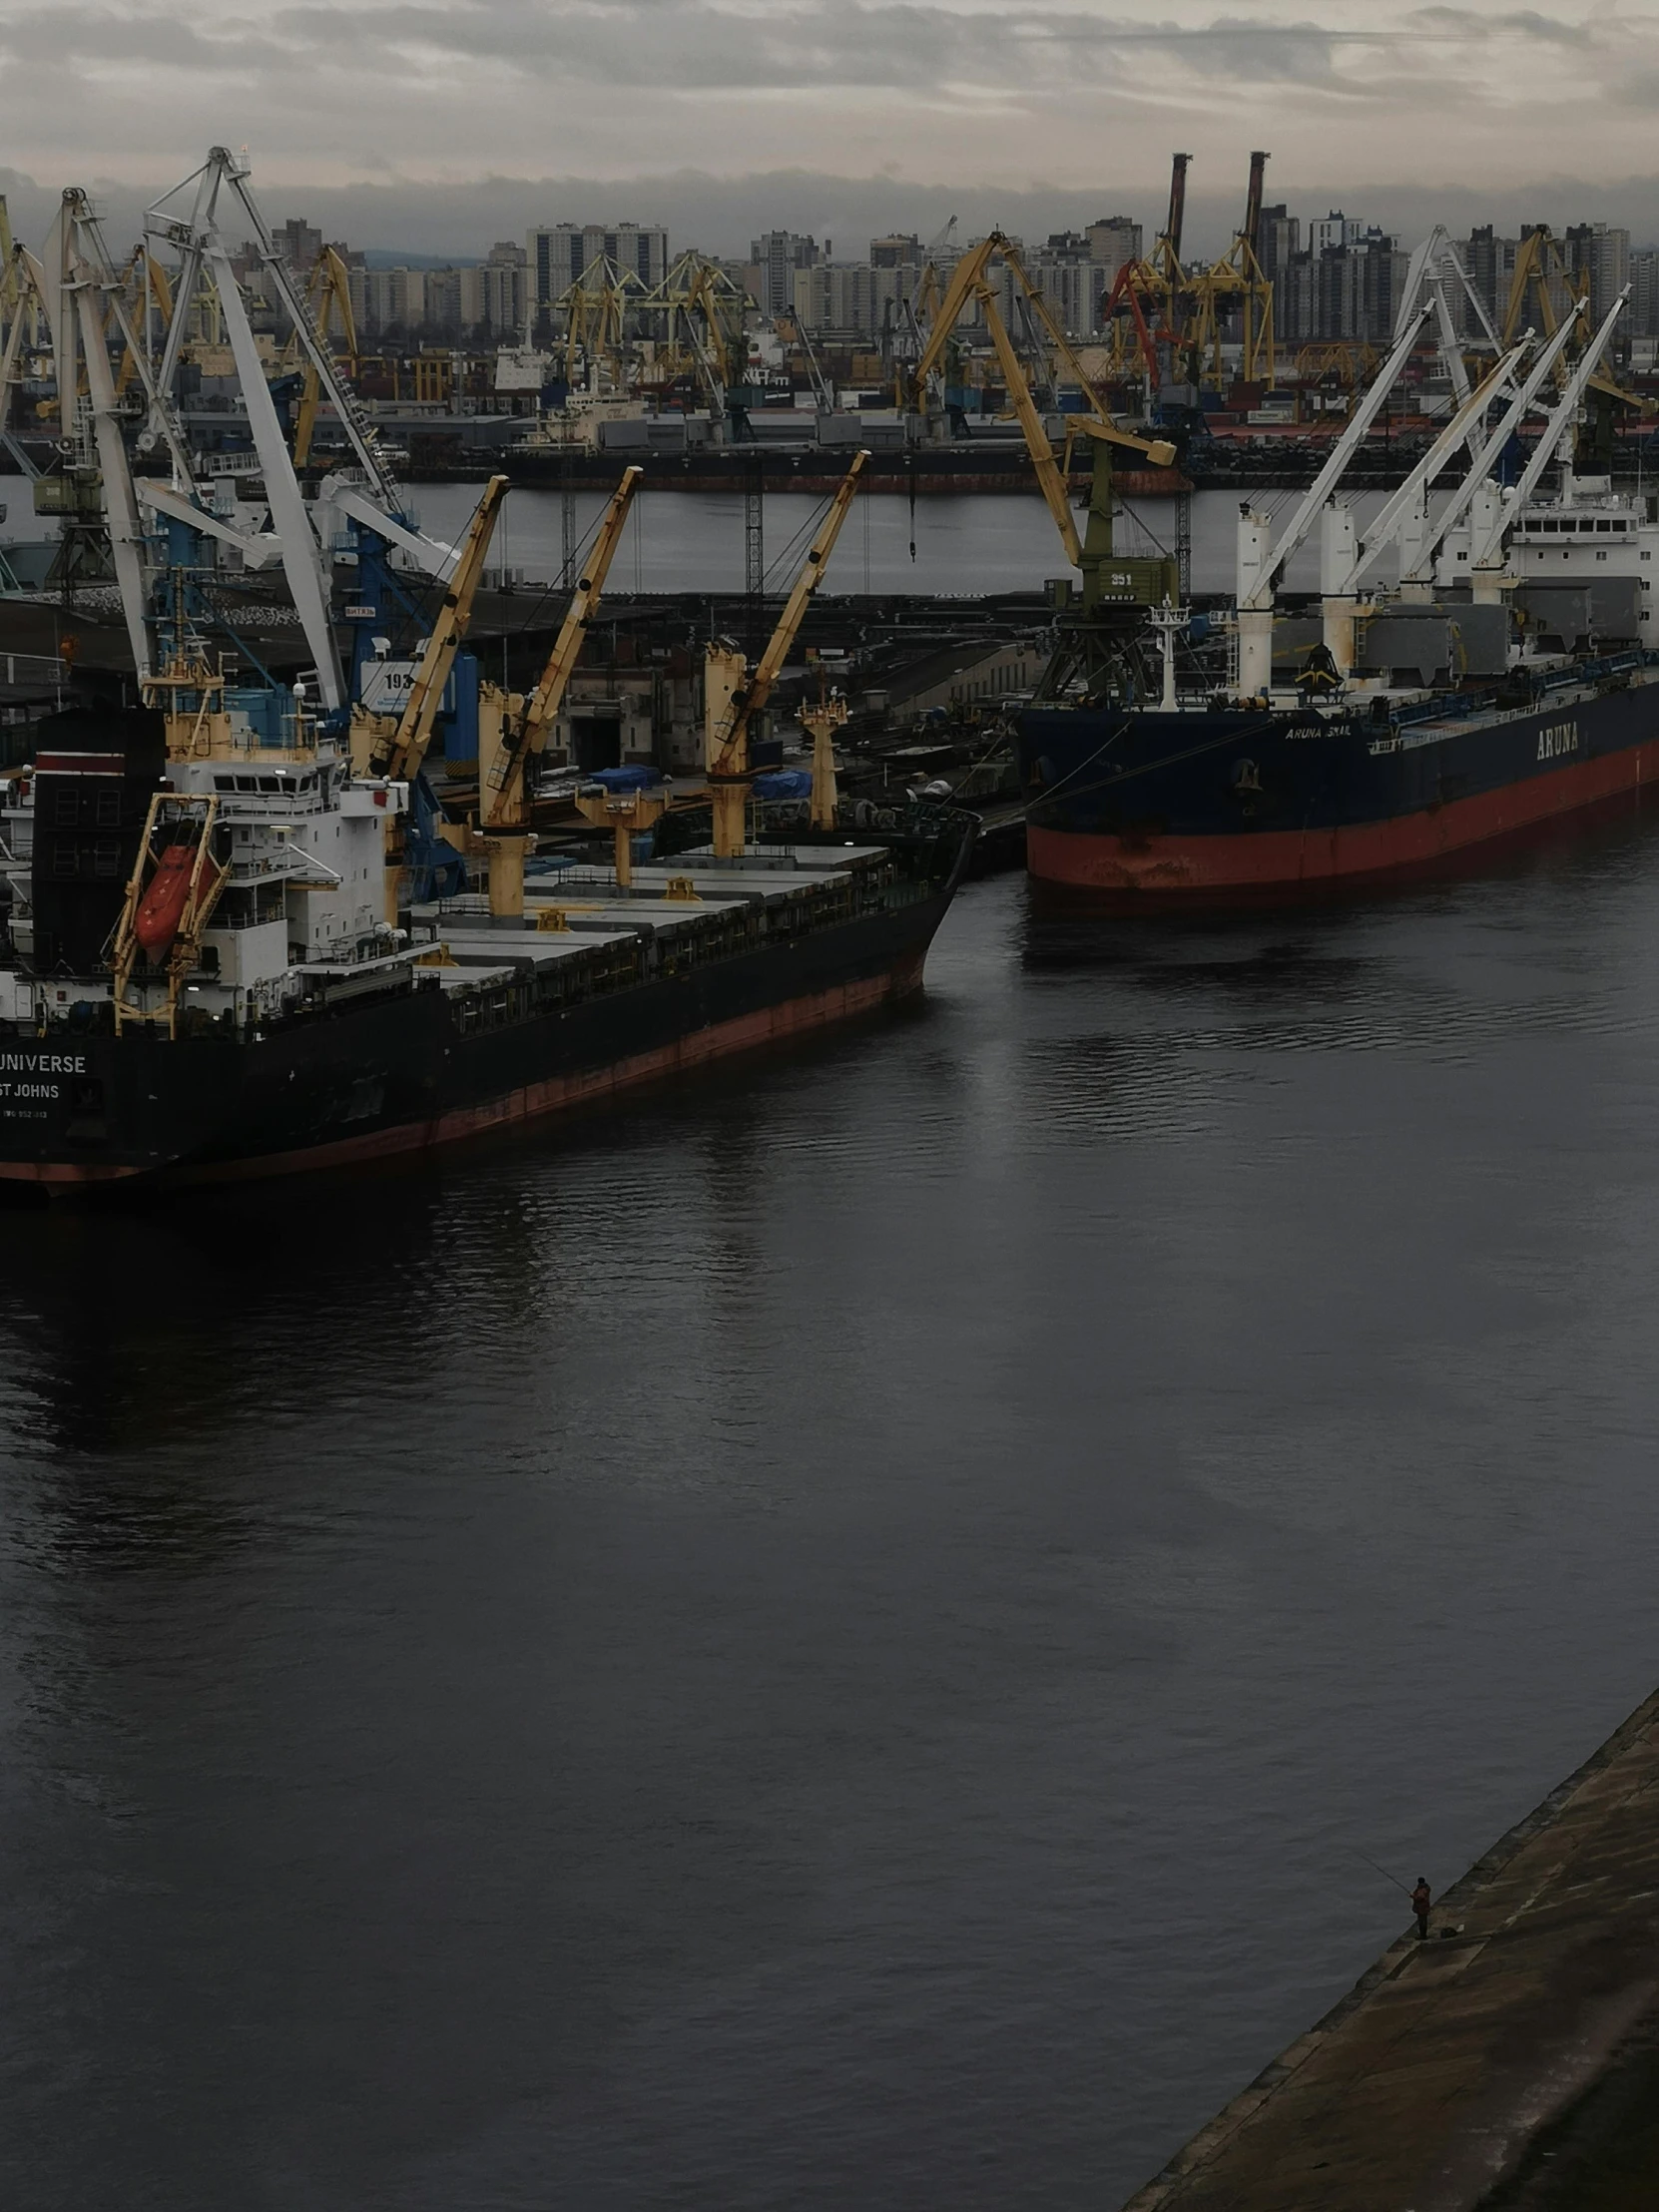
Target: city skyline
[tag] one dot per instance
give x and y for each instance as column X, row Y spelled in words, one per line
column 412, row 222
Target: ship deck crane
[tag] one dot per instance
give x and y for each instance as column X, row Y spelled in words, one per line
column 1417, row 559
column 513, row 731
column 733, row 695
column 1261, row 560
column 396, row 746
column 1485, row 543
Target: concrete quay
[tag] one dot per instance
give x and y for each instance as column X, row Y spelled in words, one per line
column 1511, row 2062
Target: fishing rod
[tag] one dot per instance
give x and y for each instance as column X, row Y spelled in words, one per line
column 1383, row 1870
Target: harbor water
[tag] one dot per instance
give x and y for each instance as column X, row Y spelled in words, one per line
column 965, row 543
column 844, row 1636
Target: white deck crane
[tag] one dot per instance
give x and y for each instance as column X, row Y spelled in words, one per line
column 1486, row 543
column 1261, row 559
column 1416, row 581
column 1404, row 514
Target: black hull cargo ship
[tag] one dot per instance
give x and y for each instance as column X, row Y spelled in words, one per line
column 407, row 1062
column 141, row 1045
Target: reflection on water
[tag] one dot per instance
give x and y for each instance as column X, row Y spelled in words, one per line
column 833, row 1638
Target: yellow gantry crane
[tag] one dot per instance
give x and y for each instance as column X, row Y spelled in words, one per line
column 733, row 695
column 1237, row 280
column 596, row 312
column 699, row 313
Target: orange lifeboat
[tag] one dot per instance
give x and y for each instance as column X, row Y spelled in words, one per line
column 162, row 907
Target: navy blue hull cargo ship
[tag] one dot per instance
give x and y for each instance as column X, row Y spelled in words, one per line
column 1236, row 801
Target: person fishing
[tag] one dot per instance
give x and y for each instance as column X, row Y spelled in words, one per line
column 1421, row 1899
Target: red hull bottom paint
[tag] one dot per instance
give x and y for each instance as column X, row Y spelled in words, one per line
column 536, row 1101
column 1294, row 859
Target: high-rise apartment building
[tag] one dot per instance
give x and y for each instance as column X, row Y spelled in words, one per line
column 1278, row 241
column 1600, row 251
column 1644, row 293
column 300, row 243
column 1332, row 233
column 778, row 256
column 1113, row 242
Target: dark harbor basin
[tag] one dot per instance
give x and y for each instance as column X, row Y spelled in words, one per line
column 842, row 1638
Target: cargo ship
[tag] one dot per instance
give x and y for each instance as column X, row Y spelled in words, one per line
column 1512, row 679
column 257, row 1014
column 243, row 932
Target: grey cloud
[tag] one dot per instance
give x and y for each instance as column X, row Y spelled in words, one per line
column 691, row 45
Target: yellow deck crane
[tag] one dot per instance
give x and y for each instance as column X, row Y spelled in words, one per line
column 733, row 694
column 395, row 746
column 513, row 730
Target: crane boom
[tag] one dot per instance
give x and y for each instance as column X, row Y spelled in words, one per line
column 806, row 583
column 401, row 751
column 1175, row 221
column 732, row 696
column 524, row 740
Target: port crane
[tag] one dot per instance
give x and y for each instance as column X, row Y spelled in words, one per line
column 1146, row 311
column 970, row 286
column 596, row 312
column 1112, row 584
column 1237, row 281
column 733, row 694
column 700, row 313
column 329, row 297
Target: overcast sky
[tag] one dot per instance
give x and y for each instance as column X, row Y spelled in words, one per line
column 683, row 111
